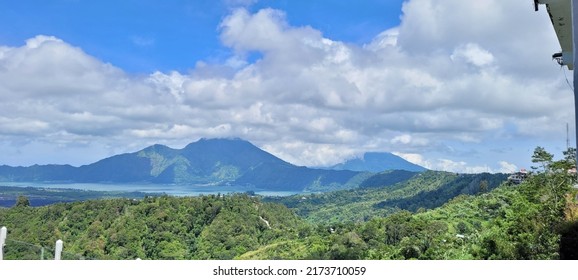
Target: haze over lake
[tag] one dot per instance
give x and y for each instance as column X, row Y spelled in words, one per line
column 169, row 189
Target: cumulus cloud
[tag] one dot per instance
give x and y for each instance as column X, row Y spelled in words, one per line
column 453, row 71
column 472, row 53
column 456, row 166
column 57, row 93
column 506, row 167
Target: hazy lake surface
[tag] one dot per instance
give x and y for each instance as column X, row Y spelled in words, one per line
column 176, row 190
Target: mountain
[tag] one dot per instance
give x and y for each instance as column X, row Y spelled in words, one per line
column 377, row 162
column 207, row 161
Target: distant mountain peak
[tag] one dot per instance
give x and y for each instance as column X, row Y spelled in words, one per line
column 158, row 148
column 378, row 162
column 221, row 139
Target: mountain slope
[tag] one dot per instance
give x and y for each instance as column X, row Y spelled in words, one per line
column 385, row 193
column 51, row 172
column 163, row 228
column 519, row 222
column 207, row 161
column 377, row 162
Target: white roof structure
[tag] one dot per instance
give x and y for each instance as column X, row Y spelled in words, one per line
column 560, row 12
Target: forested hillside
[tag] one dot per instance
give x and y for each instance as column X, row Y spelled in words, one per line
column 37, row 196
column 206, row 227
column 528, row 221
column 389, row 192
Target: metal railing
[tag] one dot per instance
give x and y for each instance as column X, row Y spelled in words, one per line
column 11, row 249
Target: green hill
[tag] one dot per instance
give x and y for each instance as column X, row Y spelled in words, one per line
column 387, row 192
column 524, row 221
column 206, row 227
column 46, row 196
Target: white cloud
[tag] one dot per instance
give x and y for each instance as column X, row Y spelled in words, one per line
column 472, row 53
column 414, row 158
column 456, row 166
column 266, row 31
column 310, row 154
column 385, row 39
column 506, row 167
column 453, row 71
column 403, row 139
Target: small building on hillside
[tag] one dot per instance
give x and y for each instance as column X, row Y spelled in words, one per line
column 518, row 177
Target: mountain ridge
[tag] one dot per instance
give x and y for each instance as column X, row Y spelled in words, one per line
column 218, row 161
column 378, row 162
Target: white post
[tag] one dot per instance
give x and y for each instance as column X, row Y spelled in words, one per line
column 3, row 233
column 574, row 8
column 58, row 250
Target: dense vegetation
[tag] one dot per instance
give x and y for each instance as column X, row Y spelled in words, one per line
column 533, row 220
column 388, row 192
column 206, row 227
column 536, row 219
column 45, row 196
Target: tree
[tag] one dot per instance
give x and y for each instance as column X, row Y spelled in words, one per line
column 566, row 164
column 570, row 156
column 543, row 157
column 22, row 201
column 484, row 186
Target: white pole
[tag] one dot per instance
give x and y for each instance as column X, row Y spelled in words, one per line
column 58, row 250
column 574, row 8
column 3, row 233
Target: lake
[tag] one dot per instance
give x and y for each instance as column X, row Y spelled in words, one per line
column 175, row 190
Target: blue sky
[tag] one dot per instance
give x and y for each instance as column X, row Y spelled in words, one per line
column 145, row 36
column 452, row 85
